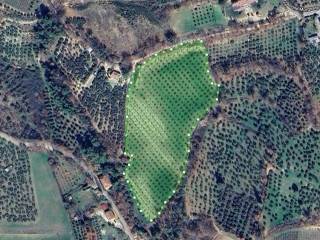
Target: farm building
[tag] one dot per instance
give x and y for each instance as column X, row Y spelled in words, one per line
column 110, row 216
column 105, row 181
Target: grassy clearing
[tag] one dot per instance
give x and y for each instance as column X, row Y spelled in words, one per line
column 181, row 20
column 167, row 95
column 109, row 232
column 192, row 18
column 24, row 6
column 52, row 221
column 84, row 199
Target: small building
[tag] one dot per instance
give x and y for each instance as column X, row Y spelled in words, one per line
column 113, row 74
column 110, row 216
column 89, row 49
column 105, row 181
column 241, row 5
column 106, row 213
column 8, row 168
column 104, row 206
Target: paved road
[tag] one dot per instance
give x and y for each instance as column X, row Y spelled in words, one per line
column 43, row 145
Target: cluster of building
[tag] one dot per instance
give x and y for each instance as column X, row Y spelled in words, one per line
column 105, row 211
column 96, row 208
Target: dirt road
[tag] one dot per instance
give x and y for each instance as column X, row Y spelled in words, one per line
column 47, row 146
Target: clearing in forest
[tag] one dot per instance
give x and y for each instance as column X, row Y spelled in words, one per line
column 167, row 95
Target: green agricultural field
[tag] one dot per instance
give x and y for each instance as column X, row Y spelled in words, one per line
column 167, row 96
column 52, row 221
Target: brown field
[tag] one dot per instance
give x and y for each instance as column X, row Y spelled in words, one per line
column 115, row 31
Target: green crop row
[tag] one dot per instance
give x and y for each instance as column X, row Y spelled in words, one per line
column 166, row 97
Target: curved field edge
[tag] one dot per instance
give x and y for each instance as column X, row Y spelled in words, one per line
column 167, row 95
